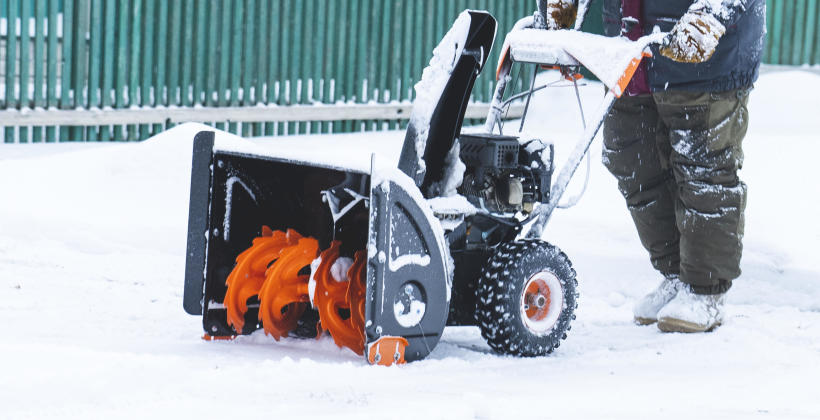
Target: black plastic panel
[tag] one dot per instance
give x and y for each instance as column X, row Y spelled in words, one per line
column 448, row 116
column 246, row 193
column 404, row 253
column 198, row 222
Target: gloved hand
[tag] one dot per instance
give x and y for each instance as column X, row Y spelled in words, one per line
column 560, row 14
column 694, row 38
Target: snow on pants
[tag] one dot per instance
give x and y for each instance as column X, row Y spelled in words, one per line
column 676, row 155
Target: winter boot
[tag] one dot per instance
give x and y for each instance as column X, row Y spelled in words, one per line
column 690, row 313
column 646, row 309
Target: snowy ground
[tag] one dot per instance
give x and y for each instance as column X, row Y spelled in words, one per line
column 92, row 244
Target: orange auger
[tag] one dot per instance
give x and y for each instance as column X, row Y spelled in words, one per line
column 271, row 269
column 284, row 294
column 335, row 296
column 356, row 292
column 248, row 275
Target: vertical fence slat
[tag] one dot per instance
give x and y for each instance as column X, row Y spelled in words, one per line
column 122, row 69
column 282, row 68
column 273, row 78
column 249, row 60
column 25, row 54
column 147, row 60
column 66, row 94
column 394, row 50
column 362, row 82
column 264, row 37
column 51, row 66
column 199, row 64
column 776, row 32
column 342, row 30
column 295, row 15
column 219, row 38
column 95, row 56
column 306, row 74
column 109, row 58
column 384, row 71
column 11, row 61
column 25, row 64
column 300, row 58
column 12, row 9
column 330, row 49
column 236, row 57
column 189, row 28
column 219, row 61
column 39, row 62
column 799, row 27
column 811, row 13
column 174, row 96
column 316, row 66
column 160, row 70
column 80, row 64
column 407, row 51
column 134, row 67
column 788, row 35
column 373, row 52
column 816, row 28
column 347, row 79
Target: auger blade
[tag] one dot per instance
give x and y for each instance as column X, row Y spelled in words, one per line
column 331, row 297
column 356, row 293
column 248, row 276
column 284, row 294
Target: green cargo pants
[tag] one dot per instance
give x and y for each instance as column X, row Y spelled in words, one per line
column 676, row 156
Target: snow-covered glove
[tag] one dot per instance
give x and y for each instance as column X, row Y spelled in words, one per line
column 694, row 38
column 560, row 14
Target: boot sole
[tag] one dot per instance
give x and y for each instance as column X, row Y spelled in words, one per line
column 681, row 326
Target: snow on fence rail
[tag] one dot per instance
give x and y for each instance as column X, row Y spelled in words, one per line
column 89, row 70
column 336, row 113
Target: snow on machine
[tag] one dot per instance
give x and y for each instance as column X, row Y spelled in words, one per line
column 383, row 257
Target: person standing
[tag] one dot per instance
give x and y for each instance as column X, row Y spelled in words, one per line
column 674, row 143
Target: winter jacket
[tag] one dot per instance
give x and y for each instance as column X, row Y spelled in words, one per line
column 736, row 62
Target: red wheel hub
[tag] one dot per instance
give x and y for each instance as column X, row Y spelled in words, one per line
column 537, row 299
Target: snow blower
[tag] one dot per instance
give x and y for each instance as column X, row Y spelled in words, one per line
column 383, row 257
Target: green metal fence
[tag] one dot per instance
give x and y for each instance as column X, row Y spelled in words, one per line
column 193, row 54
column 121, row 54
column 794, row 32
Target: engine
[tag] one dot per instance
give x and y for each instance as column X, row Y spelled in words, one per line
column 504, row 176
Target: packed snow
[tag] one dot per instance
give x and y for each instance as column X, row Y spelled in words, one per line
column 92, row 254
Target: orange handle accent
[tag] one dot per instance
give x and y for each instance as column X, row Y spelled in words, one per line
column 504, row 56
column 623, row 82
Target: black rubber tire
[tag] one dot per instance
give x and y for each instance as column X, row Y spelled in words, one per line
column 500, row 291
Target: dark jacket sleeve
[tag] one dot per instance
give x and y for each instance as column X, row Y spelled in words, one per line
column 728, row 12
column 736, row 61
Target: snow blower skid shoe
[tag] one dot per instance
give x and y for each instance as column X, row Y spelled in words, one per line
column 303, row 242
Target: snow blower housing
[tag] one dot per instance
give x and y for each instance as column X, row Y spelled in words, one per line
column 383, row 257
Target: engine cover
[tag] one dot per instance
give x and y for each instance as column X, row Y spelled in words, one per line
column 503, row 176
